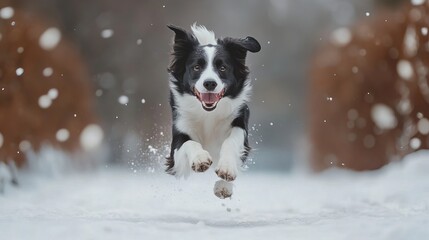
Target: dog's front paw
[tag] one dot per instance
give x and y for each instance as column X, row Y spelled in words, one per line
column 201, row 161
column 226, row 172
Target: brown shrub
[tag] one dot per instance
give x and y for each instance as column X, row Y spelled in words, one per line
column 369, row 94
column 23, row 122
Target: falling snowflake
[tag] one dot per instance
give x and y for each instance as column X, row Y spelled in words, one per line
column 19, row 71
column 47, row 72
column 123, row 100
column 341, row 36
column 383, row 116
column 62, row 135
column 107, row 33
column 50, row 38
column 91, row 137
column 6, row 12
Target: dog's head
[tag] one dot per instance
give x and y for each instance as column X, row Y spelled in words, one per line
column 209, row 68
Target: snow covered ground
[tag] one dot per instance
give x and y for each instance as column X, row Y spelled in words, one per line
column 390, row 204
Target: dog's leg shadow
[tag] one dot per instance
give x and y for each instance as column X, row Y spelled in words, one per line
column 223, row 189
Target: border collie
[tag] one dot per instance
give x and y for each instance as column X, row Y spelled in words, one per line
column 209, row 89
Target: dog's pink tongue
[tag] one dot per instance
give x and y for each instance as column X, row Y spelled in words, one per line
column 209, row 98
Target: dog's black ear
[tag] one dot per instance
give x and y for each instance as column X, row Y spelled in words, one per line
column 181, row 33
column 248, row 43
column 238, row 47
column 184, row 43
column 243, row 44
column 252, row 44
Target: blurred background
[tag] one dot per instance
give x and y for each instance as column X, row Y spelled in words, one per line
column 338, row 83
column 126, row 46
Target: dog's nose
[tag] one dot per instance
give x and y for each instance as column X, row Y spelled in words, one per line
column 210, row 85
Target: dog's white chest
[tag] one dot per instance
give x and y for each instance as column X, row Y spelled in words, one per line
column 210, row 129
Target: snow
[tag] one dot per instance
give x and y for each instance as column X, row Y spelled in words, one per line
column 404, row 106
column 411, row 43
column 24, row 146
column 45, row 101
column 62, row 135
column 99, row 92
column 91, row 137
column 53, row 93
column 423, row 126
column 47, row 72
column 7, row 12
column 123, row 100
column 417, row 2
column 415, row 143
column 405, row 69
column 50, row 38
column 19, row 71
column 107, row 33
column 383, row 116
column 341, row 36
column 112, row 203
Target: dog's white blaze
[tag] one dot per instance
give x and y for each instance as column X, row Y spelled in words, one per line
column 231, row 151
column 209, row 73
column 203, row 35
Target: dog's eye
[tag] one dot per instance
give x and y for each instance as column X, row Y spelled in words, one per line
column 197, row 68
column 222, row 68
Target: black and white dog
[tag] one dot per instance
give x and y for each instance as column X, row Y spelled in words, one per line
column 209, row 89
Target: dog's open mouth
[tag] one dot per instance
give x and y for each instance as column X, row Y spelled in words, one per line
column 209, row 100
